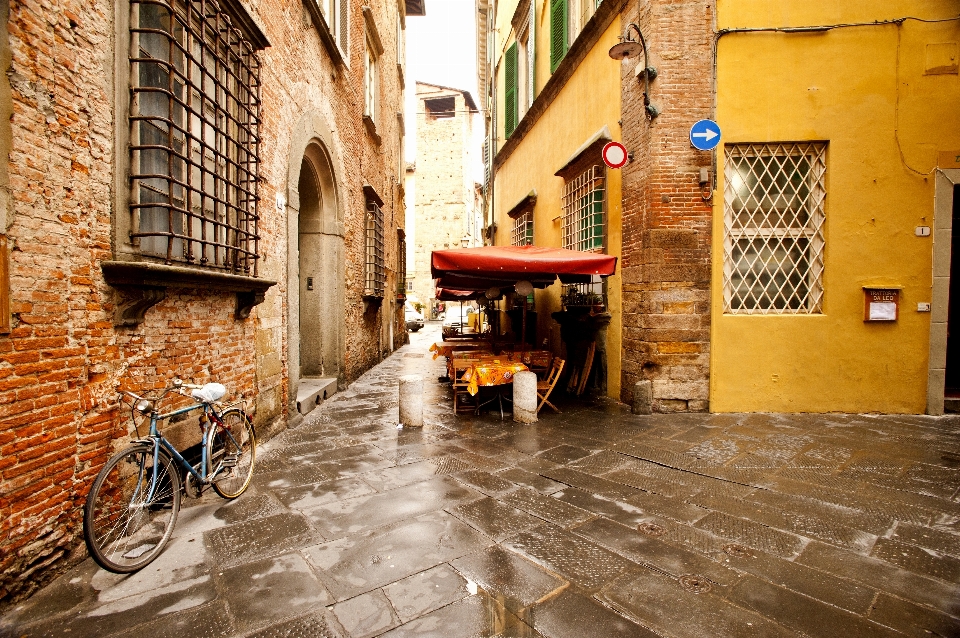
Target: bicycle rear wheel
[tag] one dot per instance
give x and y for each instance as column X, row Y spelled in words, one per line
column 129, row 517
column 233, row 451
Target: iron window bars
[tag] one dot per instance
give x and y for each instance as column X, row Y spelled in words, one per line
column 375, row 274
column 773, row 241
column 584, row 211
column 522, row 234
column 195, row 135
column 401, row 265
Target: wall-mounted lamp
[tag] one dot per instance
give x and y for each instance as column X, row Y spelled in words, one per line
column 629, row 48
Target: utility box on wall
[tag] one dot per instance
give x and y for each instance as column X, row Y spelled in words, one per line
column 881, row 304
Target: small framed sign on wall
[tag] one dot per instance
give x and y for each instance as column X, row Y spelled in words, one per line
column 881, row 304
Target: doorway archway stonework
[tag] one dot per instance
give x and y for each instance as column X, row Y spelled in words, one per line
column 315, row 265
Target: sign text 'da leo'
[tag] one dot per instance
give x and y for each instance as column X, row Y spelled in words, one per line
column 881, row 304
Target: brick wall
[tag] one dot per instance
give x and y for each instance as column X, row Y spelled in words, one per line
column 666, row 222
column 62, row 362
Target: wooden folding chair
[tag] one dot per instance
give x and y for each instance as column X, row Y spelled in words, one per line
column 545, row 387
column 460, row 366
column 539, row 362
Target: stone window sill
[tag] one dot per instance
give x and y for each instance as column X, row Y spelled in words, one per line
column 372, row 129
column 144, row 284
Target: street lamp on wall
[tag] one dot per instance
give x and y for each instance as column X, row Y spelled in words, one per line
column 629, row 48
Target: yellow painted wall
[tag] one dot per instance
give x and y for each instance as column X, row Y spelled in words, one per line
column 589, row 101
column 864, row 92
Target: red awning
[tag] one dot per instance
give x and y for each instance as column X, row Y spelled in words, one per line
column 448, row 294
column 503, row 266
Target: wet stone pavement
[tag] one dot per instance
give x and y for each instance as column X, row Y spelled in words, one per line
column 594, row 522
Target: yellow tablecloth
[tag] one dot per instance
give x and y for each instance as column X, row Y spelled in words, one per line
column 446, row 348
column 490, row 373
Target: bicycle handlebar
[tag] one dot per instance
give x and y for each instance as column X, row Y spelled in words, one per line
column 178, row 386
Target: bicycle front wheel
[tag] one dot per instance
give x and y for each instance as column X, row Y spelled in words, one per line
column 131, row 509
column 233, row 451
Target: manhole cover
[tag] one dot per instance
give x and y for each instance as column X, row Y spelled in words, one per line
column 651, row 529
column 695, row 584
column 736, row 549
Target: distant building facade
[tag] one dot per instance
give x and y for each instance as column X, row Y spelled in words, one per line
column 447, row 211
column 210, row 190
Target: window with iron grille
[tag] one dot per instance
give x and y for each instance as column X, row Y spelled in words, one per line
column 195, row 120
column 401, row 264
column 584, row 211
column 522, row 234
column 773, row 228
column 375, row 272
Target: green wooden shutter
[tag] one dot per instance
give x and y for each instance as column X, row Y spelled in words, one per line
column 510, row 78
column 558, row 32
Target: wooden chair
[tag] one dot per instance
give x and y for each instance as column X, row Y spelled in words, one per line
column 539, row 361
column 460, row 366
column 545, row 387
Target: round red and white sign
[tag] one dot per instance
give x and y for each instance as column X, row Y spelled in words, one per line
column 614, row 154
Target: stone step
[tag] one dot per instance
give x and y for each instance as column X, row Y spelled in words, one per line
column 313, row 391
column 951, row 405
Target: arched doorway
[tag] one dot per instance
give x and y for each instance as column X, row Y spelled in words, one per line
column 310, row 249
column 315, row 279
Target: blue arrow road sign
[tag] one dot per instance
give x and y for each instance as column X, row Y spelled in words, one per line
column 705, row 135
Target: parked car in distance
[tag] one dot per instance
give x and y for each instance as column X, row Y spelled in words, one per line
column 413, row 319
column 457, row 320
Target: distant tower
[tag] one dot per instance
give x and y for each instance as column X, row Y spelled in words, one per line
column 446, row 210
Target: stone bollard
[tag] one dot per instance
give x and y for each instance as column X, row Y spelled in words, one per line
column 643, row 397
column 411, row 401
column 525, row 397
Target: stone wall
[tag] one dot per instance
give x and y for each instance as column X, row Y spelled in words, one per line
column 444, row 193
column 666, row 222
column 62, row 362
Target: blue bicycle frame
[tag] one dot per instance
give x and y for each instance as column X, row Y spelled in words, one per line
column 159, row 440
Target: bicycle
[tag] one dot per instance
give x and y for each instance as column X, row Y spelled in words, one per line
column 132, row 507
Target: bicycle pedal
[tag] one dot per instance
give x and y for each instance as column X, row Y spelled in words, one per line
column 229, row 460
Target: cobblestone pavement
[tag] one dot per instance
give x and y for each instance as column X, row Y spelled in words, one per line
column 594, row 522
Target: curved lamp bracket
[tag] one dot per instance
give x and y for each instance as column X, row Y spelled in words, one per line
column 630, row 48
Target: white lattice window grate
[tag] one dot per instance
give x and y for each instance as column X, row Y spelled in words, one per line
column 522, row 234
column 773, row 228
column 584, row 211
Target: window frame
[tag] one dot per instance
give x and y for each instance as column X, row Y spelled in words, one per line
column 559, row 32
column 374, row 271
column 511, row 90
column 579, row 223
column 522, row 232
column 338, row 25
column 788, row 214
column 371, row 81
column 212, row 129
column 401, row 265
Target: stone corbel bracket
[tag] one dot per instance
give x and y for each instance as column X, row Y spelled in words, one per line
column 143, row 285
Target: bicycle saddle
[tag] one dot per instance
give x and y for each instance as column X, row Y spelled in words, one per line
column 209, row 393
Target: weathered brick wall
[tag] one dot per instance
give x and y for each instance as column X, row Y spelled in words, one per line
column 443, row 200
column 61, row 364
column 666, row 222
